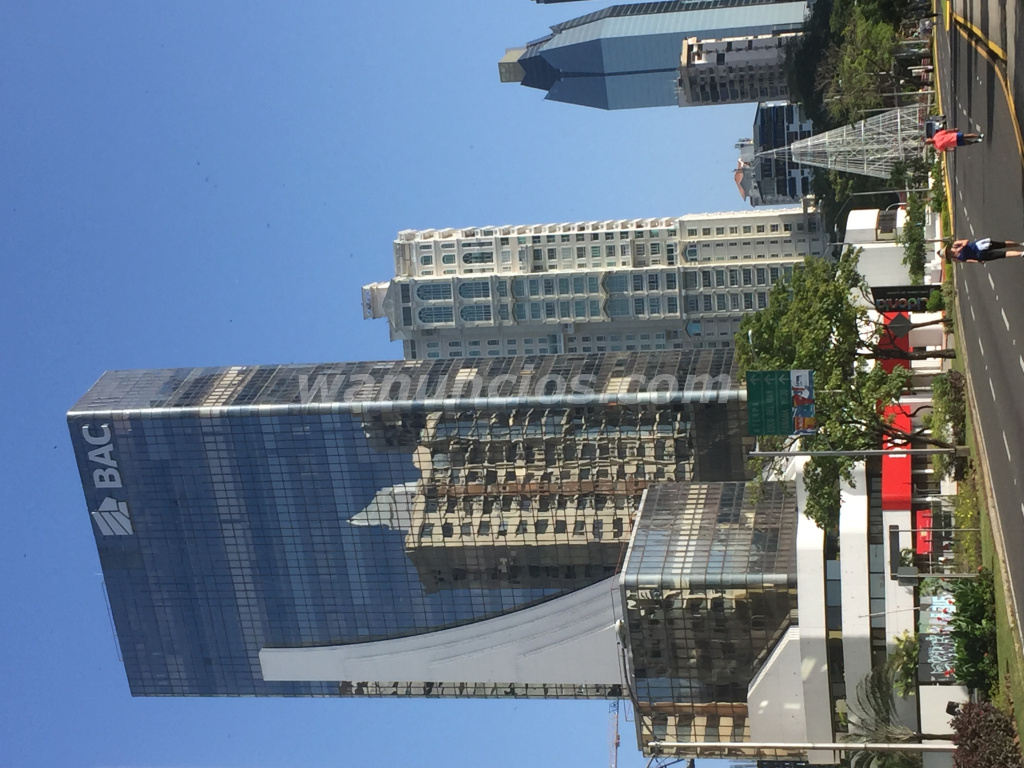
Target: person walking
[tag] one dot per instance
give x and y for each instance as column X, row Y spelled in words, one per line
column 949, row 139
column 985, row 249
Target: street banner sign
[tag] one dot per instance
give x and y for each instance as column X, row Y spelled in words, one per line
column 780, row 403
column 901, row 298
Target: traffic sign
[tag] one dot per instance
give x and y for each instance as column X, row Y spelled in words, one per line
column 780, row 402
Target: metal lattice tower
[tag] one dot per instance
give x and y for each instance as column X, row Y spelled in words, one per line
column 871, row 147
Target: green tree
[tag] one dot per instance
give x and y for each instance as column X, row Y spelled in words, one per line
column 820, row 320
column 860, row 70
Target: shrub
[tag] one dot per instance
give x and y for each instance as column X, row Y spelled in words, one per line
column 912, row 238
column 973, row 629
column 904, row 659
column 948, row 420
column 937, row 196
column 984, row 738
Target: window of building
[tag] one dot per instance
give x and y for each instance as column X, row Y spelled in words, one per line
column 706, row 231
column 434, row 292
column 707, row 303
column 478, row 257
column 720, row 302
column 427, row 259
column 691, row 231
column 654, row 305
column 476, row 313
column 760, row 228
column 617, row 307
column 638, row 306
column 478, row 289
column 746, row 229
column 719, row 230
column 436, row 315
column 671, row 305
column 670, row 281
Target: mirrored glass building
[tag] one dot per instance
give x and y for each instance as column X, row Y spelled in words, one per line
column 710, row 592
column 628, row 56
column 292, row 530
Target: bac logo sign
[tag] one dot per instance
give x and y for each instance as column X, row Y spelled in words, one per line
column 112, row 516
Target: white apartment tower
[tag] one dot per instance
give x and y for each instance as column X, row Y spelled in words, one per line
column 596, row 286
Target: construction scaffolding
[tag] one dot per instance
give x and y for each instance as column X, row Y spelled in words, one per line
column 871, row 147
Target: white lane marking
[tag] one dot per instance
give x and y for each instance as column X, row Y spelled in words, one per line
column 991, row 282
column 972, row 313
column 1006, row 445
column 993, row 390
column 972, row 230
column 1021, row 361
column 981, row 346
column 1005, row 321
column 967, row 288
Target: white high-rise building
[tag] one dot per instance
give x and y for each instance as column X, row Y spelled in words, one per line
column 595, row 286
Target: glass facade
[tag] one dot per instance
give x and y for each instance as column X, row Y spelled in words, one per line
column 627, row 56
column 295, row 506
column 709, row 588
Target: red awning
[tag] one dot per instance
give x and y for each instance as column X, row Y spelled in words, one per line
column 896, row 469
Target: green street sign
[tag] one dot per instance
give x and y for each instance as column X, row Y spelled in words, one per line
column 780, row 402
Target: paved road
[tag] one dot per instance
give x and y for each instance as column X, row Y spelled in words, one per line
column 981, row 84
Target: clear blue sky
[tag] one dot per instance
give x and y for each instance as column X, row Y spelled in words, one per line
column 210, row 183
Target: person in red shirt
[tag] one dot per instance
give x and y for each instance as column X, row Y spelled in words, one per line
column 949, row 139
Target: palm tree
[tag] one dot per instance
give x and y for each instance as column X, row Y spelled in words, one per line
column 874, row 720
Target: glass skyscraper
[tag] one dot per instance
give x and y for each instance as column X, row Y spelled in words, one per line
column 284, row 530
column 628, row 56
